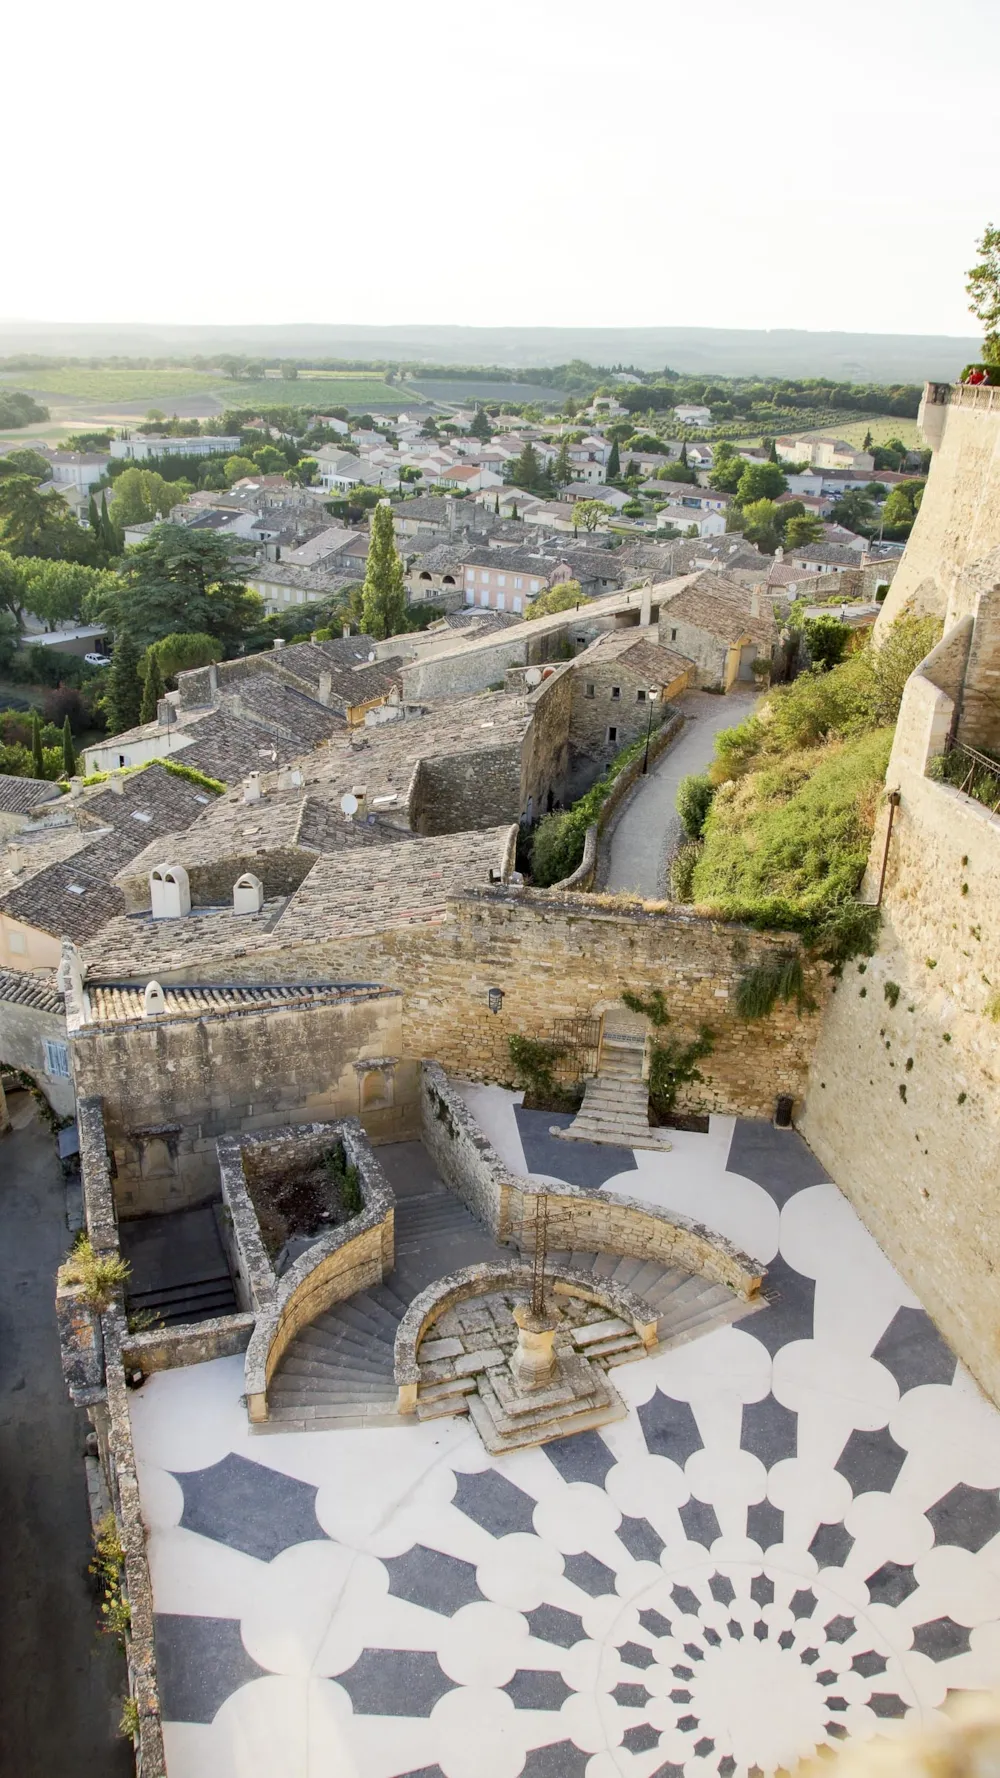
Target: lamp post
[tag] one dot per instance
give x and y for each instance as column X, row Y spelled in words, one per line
column 649, row 724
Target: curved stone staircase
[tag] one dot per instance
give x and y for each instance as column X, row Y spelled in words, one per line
column 339, row 1370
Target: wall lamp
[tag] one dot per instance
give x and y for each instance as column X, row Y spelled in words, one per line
column 494, row 999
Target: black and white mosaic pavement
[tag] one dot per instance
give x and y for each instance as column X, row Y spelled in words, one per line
column 793, row 1539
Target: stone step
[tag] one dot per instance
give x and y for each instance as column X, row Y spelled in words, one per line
column 629, row 1342
column 436, row 1391
column 337, row 1337
column 315, row 1392
column 448, row 1406
column 303, row 1363
column 316, row 1418
column 593, row 1332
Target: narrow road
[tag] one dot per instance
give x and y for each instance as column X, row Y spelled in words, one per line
column 649, row 830
column 61, row 1683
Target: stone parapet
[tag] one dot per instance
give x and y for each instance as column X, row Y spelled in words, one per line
column 582, row 1221
column 171, row 1348
column 337, row 1266
column 95, row 1174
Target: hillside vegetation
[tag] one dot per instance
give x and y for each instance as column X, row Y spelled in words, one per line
column 796, row 789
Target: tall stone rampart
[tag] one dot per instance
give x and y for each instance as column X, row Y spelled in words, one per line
column 959, row 519
column 902, row 1104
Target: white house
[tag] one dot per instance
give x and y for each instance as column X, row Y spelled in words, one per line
column 693, row 415
column 470, row 476
column 140, row 447
column 705, row 523
column 78, row 469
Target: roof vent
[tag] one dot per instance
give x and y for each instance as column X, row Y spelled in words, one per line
column 154, row 1001
column 169, row 892
column 248, row 894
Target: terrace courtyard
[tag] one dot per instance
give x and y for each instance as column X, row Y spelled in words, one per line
column 793, row 1538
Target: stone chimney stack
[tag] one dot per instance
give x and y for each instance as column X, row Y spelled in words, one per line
column 251, row 788
column 325, row 687
column 646, row 607
column 279, row 641
column 118, row 783
column 755, row 601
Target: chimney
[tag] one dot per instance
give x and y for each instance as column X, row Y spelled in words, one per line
column 325, row 687
column 345, row 630
column 213, row 681
column 755, row 601
column 118, row 783
column 75, row 786
column 279, row 641
column 646, row 607
column 251, row 788
column 451, row 518
column 165, row 712
column 779, row 556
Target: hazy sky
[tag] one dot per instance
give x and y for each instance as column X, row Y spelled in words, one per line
column 741, row 163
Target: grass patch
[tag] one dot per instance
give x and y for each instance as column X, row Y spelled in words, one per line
column 78, row 383
column 358, row 393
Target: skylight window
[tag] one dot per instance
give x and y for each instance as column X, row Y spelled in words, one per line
column 141, row 815
column 75, row 889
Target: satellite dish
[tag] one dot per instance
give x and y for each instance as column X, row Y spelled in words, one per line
column 349, row 804
column 533, row 676
column 371, row 656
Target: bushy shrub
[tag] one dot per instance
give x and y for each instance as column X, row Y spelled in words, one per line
column 682, row 870
column 557, row 845
column 694, row 799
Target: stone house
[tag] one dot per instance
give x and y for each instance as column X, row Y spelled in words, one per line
column 19, row 797
column 616, row 681
column 721, row 626
column 436, row 576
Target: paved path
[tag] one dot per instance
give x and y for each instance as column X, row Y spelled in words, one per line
column 649, row 831
column 61, row 1685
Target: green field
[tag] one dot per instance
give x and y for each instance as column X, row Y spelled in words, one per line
column 76, row 383
column 882, row 428
column 358, row 393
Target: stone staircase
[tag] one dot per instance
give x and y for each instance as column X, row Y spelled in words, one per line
column 339, row 1371
column 615, row 1105
column 178, row 1269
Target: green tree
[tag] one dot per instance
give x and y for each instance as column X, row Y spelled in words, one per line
column 269, row 461
column 562, row 469
column 153, row 688
column 772, row 452
column 56, row 592
column 826, row 638
column 305, row 470
column 237, row 467
column 614, row 468
column 124, row 695
column 68, row 750
column 982, row 287
column 801, row 530
column 289, row 371
column 481, row 427
column 902, row 506
column 677, row 472
column 140, row 496
column 694, row 799
column 37, row 761
column 588, row 514
column 727, row 472
column 682, row 459
column 182, row 580
column 564, row 596
column 855, row 510
column 526, row 470
column 30, row 463
column 760, row 481
column 869, row 441
column 762, row 523
column 13, row 585
column 112, row 541
column 383, row 594
column 181, row 651
column 37, row 524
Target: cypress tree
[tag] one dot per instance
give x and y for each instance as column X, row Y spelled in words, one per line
column 109, row 534
column 69, row 751
column 496, row 507
column 383, row 593
column 683, row 458
column 153, row 688
column 37, row 759
column 124, row 688
column 93, row 518
column 614, row 463
column 772, row 455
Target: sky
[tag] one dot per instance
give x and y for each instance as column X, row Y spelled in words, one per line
column 741, row 163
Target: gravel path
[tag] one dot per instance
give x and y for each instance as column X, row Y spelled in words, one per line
column 649, row 831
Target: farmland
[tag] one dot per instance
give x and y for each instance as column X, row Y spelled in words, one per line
column 111, row 387
column 357, row 392
column 76, row 382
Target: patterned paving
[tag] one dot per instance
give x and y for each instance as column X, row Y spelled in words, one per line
column 794, row 1538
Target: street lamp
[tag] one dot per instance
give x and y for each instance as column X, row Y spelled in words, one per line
column 651, row 694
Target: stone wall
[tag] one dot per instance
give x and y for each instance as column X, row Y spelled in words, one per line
column 466, row 790
column 281, row 869
column 586, row 1222
column 959, row 518
column 712, row 667
column 170, row 1087
column 979, row 707
column 545, row 750
column 23, row 1031
column 903, row 1105
column 348, row 1259
column 596, row 708
column 567, row 956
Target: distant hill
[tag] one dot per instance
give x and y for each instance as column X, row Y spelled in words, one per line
column 718, row 351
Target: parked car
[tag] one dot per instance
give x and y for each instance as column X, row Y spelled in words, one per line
column 97, row 660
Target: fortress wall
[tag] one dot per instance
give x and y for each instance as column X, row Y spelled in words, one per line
column 959, row 518
column 902, row 1104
